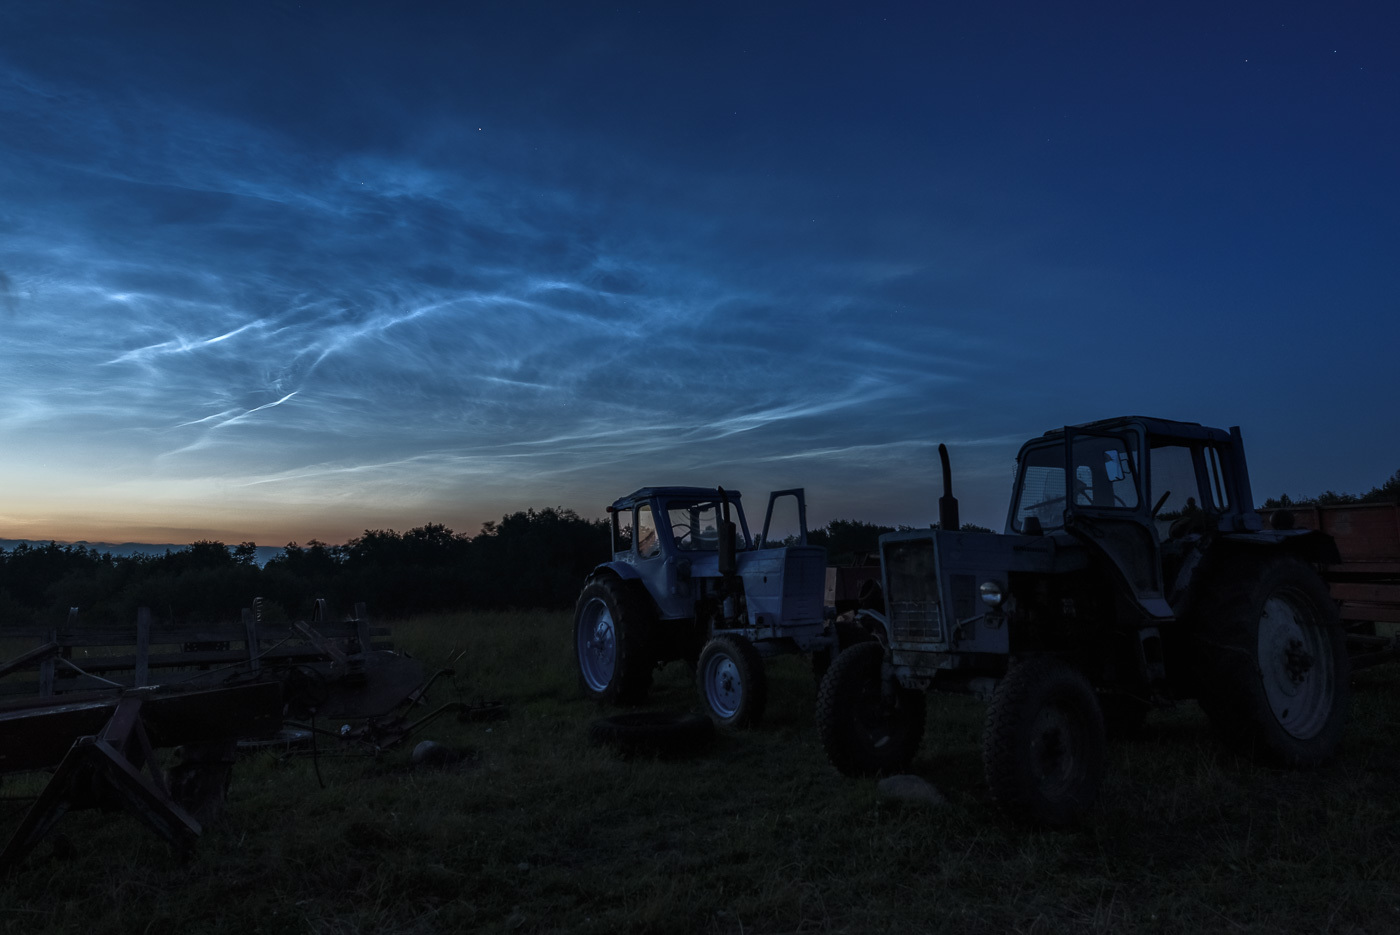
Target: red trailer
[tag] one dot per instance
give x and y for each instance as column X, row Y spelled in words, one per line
column 1366, row 582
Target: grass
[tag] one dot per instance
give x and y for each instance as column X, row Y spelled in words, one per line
column 539, row 832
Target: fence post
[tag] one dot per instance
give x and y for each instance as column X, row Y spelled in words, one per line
column 362, row 627
column 46, row 670
column 250, row 637
column 143, row 647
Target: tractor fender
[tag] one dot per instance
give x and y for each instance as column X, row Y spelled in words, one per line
column 623, row 570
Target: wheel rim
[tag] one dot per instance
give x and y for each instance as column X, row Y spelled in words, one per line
column 1295, row 662
column 597, row 645
column 1057, row 755
column 724, row 685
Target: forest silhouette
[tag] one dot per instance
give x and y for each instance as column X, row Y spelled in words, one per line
column 531, row 559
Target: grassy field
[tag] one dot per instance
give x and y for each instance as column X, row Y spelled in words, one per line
column 537, row 831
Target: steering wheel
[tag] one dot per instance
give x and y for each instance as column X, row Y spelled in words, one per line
column 683, row 536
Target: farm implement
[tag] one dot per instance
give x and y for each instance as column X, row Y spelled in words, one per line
column 108, row 697
column 1364, row 579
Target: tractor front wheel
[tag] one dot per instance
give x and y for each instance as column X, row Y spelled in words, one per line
column 612, row 640
column 868, row 728
column 1043, row 744
column 732, row 681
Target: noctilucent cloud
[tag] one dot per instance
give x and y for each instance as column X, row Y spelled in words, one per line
column 275, row 271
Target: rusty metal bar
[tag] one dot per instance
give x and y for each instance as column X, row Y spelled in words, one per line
column 34, row 655
column 321, row 643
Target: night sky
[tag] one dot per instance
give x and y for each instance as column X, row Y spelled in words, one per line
column 275, row 271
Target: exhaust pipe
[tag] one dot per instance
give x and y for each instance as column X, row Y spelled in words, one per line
column 947, row 504
column 728, row 564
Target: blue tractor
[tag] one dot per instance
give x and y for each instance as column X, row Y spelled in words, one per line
column 689, row 581
column 1133, row 573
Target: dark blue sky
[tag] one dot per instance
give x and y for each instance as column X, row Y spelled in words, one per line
column 273, row 270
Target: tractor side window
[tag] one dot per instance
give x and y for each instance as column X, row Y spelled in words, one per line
column 647, row 542
column 1173, row 475
column 624, row 531
column 1217, row 479
column 1042, row 493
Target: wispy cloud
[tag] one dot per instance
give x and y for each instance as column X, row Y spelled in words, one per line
column 224, row 305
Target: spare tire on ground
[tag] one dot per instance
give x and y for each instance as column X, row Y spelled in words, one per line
column 654, row 733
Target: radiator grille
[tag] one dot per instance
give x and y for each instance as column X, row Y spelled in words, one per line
column 912, row 601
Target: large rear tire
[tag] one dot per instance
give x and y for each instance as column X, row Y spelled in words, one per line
column 1043, row 744
column 866, row 728
column 1275, row 671
column 612, row 641
column 732, row 681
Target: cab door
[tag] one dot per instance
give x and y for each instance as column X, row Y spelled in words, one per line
column 1106, row 509
column 792, row 518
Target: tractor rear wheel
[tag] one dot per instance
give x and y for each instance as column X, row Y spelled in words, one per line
column 868, row 728
column 1276, row 674
column 732, row 681
column 612, row 641
column 1043, row 744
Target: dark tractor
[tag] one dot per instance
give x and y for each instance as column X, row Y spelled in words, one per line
column 688, row 582
column 1133, row 573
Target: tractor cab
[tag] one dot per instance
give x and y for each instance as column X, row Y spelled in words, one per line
column 1148, row 497
column 693, row 549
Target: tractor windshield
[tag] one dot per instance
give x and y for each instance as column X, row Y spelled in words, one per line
column 1103, row 478
column 695, row 526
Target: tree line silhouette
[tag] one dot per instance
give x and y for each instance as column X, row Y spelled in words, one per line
column 1389, row 492
column 532, row 559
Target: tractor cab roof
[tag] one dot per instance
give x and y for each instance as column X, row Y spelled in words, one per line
column 1153, row 426
column 676, row 493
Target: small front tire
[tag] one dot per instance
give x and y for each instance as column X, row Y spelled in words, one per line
column 732, row 681
column 1043, row 744
column 868, row 728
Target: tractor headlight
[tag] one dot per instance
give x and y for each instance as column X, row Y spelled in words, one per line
column 992, row 594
